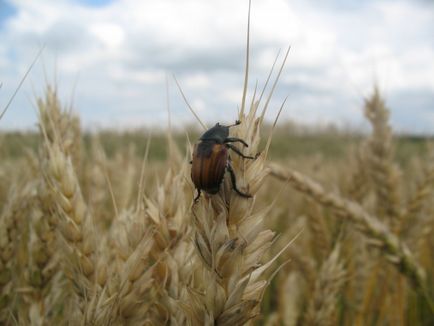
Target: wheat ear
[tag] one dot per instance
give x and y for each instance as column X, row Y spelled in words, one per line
column 75, row 223
column 378, row 153
column 376, row 231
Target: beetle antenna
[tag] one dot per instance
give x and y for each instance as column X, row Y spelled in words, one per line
column 237, row 122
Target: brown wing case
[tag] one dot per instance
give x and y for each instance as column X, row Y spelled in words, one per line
column 208, row 166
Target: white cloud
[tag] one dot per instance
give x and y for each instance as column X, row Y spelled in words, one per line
column 110, row 35
column 196, row 81
column 123, row 51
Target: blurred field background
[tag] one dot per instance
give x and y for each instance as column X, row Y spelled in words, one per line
column 362, row 257
column 290, row 140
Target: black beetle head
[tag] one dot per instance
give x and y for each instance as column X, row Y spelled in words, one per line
column 218, row 133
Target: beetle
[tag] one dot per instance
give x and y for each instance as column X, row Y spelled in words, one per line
column 211, row 160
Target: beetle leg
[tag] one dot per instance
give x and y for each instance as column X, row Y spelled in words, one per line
column 234, row 182
column 235, row 139
column 197, row 196
column 236, row 150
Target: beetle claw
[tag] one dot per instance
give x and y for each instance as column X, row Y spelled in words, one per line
column 196, row 199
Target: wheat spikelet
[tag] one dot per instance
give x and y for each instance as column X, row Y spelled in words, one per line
column 358, row 185
column 322, row 308
column 39, row 285
column 291, row 298
column 97, row 178
column 164, row 246
column 41, row 273
column 61, row 126
column 11, row 218
column 130, row 280
column 168, row 212
column 361, row 269
column 125, row 162
column 296, row 254
column 420, row 196
column 319, row 232
column 417, row 221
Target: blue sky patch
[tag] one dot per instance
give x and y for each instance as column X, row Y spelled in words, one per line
column 6, row 10
column 94, row 3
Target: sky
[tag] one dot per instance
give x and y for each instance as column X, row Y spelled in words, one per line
column 113, row 61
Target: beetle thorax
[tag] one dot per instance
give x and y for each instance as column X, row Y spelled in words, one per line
column 217, row 134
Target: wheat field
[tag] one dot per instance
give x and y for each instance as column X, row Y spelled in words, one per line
column 102, row 228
